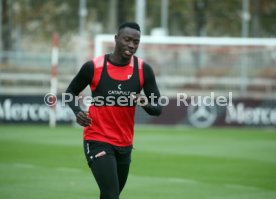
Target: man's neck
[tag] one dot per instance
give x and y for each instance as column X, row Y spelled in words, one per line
column 118, row 60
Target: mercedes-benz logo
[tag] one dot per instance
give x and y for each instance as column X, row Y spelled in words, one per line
column 202, row 116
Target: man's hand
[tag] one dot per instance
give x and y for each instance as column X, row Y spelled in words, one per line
column 139, row 99
column 83, row 119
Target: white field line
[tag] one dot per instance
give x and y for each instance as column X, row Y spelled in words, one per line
column 33, row 166
column 194, row 182
column 68, row 169
column 24, row 166
column 238, row 186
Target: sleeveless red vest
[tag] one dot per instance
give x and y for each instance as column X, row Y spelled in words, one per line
column 113, row 122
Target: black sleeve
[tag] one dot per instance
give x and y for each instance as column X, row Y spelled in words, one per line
column 79, row 83
column 151, row 89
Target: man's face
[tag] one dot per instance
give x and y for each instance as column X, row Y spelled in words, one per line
column 127, row 42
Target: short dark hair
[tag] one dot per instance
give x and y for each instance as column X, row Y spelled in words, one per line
column 133, row 25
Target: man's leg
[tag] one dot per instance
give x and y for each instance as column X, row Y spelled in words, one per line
column 123, row 157
column 104, row 169
column 123, row 170
column 103, row 164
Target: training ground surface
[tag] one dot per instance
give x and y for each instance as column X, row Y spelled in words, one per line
column 37, row 162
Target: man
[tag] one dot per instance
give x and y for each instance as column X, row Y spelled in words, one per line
column 115, row 80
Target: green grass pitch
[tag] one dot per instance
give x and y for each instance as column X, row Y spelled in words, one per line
column 37, row 162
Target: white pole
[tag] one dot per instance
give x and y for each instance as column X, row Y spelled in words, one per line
column 54, row 80
column 140, row 14
column 164, row 15
column 113, row 13
column 82, row 17
column 245, row 18
column 245, row 34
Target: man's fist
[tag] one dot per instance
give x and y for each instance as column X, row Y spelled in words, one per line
column 83, row 119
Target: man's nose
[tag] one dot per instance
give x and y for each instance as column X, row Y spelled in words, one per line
column 131, row 44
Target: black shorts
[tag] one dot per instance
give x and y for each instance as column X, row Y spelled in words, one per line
column 92, row 148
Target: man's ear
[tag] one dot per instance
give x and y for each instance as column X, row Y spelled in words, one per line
column 116, row 38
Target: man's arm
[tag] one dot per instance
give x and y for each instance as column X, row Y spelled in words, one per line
column 151, row 89
column 78, row 84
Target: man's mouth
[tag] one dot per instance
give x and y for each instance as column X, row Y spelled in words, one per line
column 127, row 52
